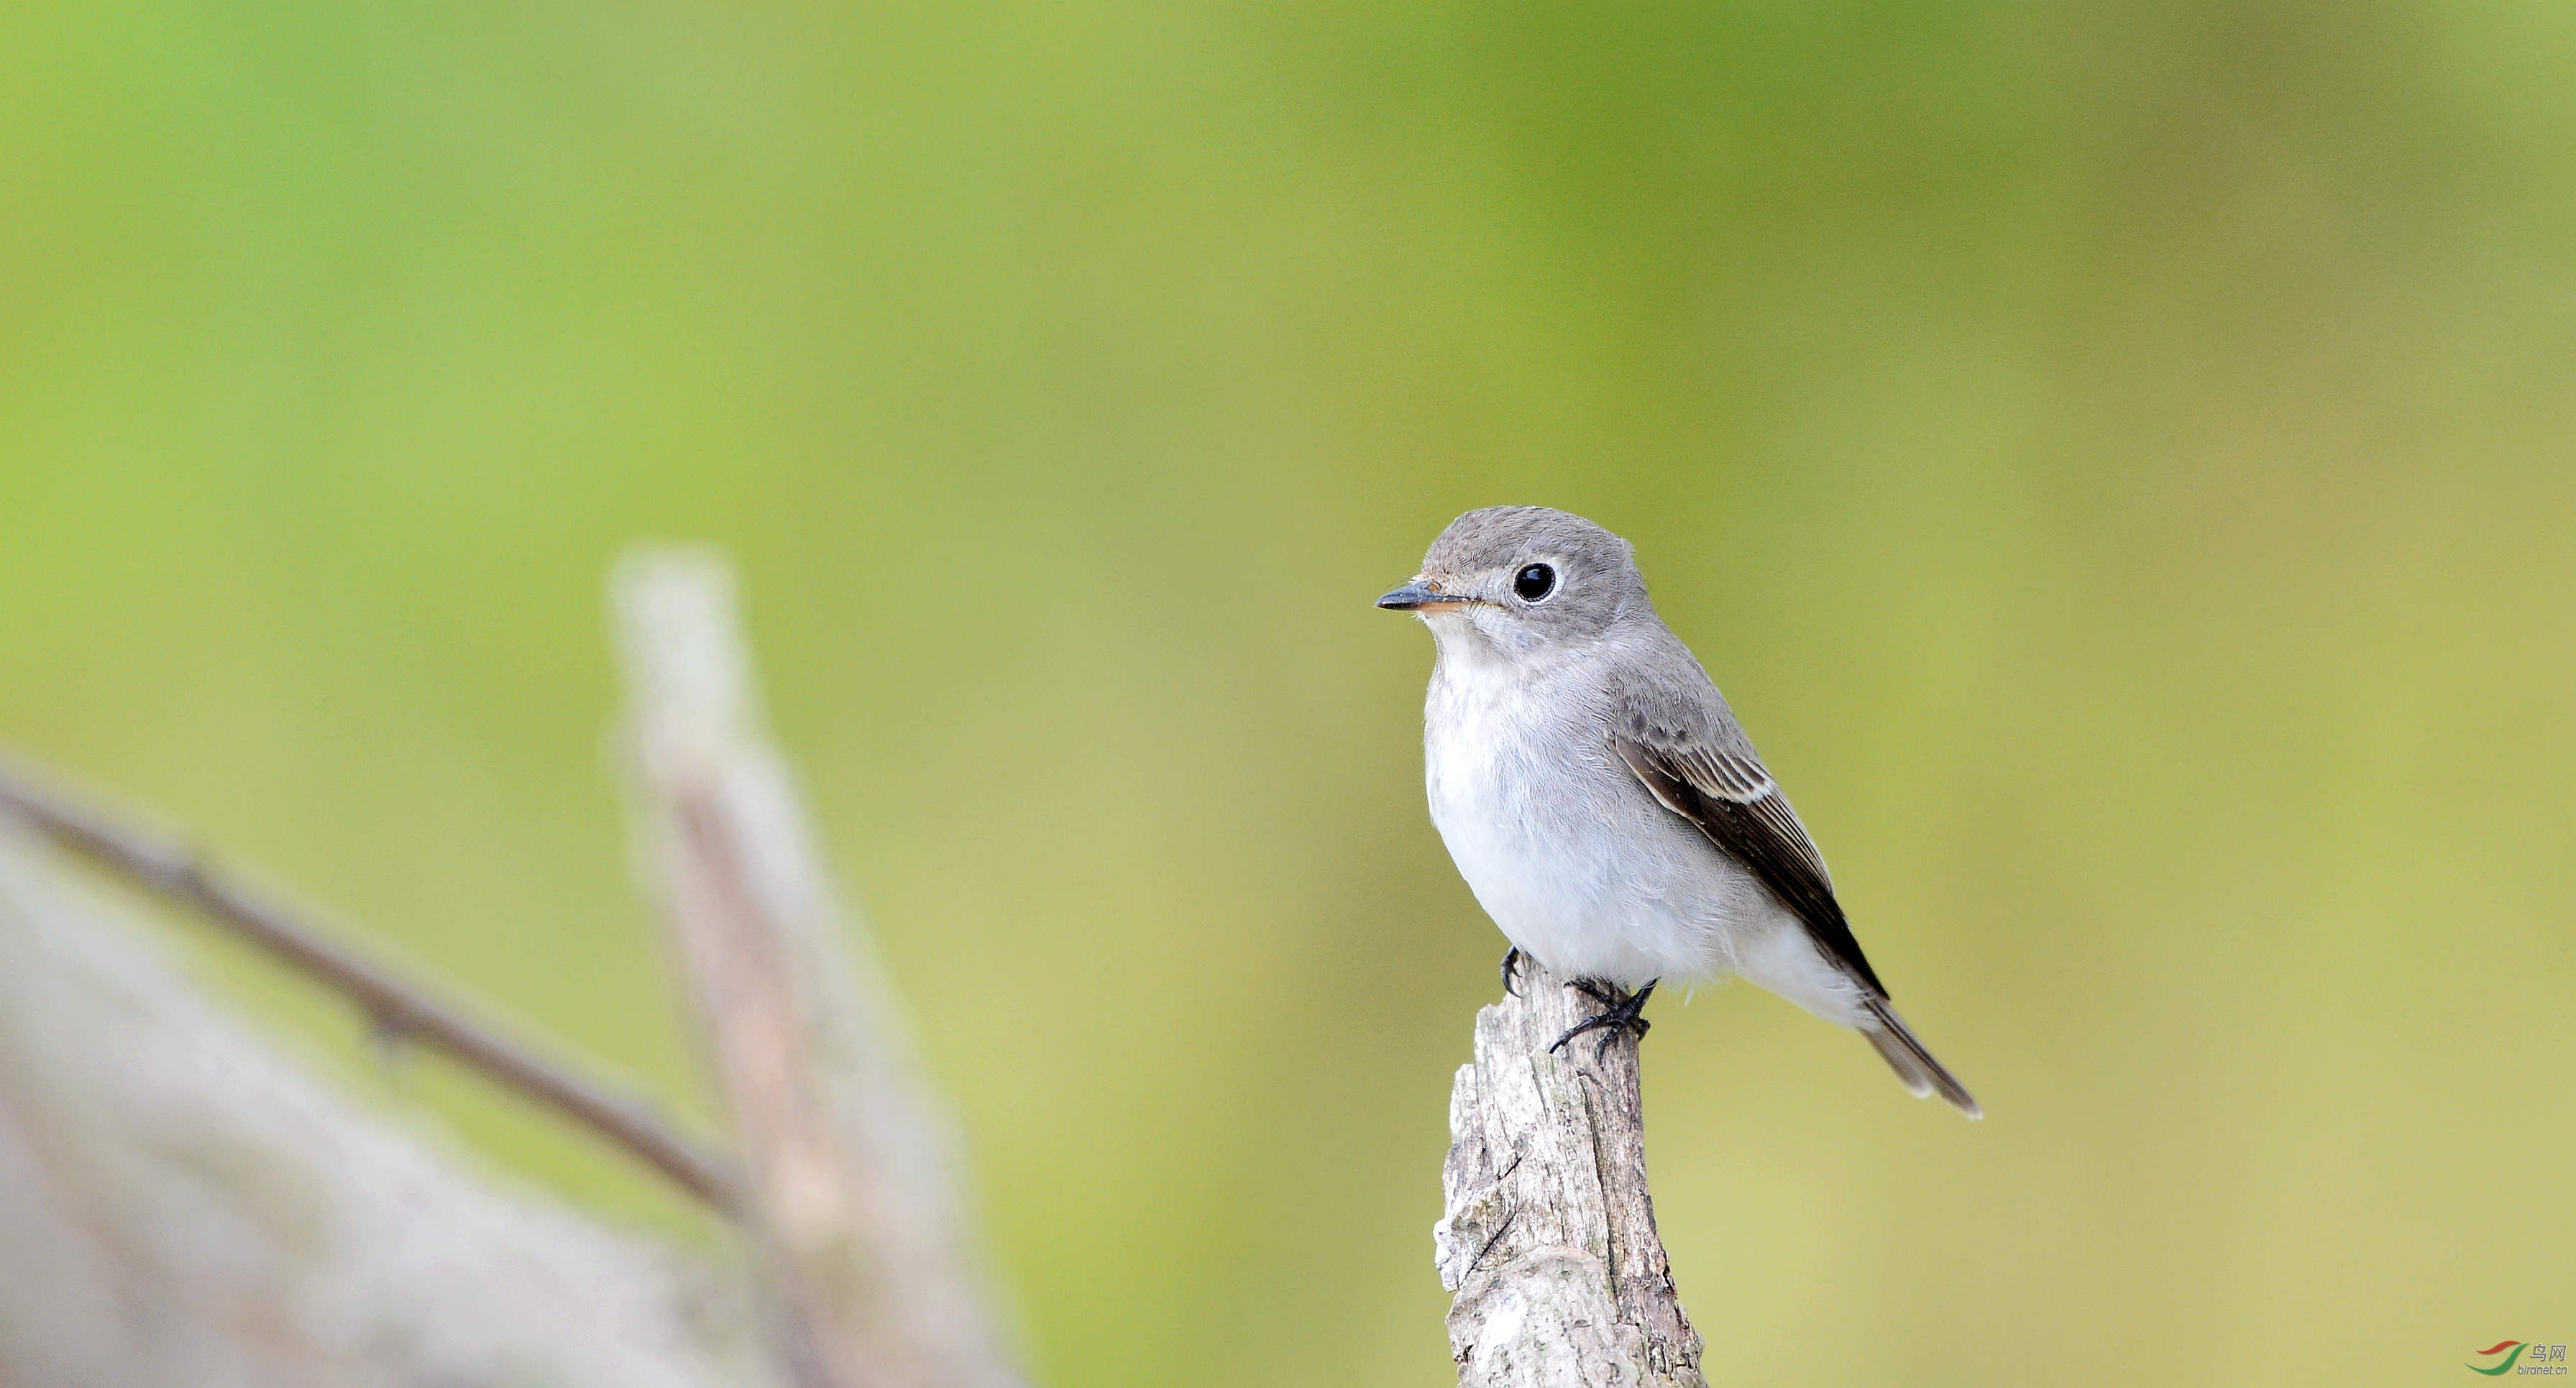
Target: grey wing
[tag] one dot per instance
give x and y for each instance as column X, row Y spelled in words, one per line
column 1730, row 797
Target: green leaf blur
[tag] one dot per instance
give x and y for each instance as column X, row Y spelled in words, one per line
column 2117, row 458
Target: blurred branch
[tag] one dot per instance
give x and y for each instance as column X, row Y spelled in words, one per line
column 1548, row 1237
column 183, row 1206
column 396, row 1006
column 852, row 1169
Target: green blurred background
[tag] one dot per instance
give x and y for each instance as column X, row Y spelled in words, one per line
column 2116, row 457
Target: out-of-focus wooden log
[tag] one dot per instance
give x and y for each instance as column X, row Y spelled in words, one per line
column 852, row 1171
column 1549, row 1233
column 401, row 1009
column 183, row 1207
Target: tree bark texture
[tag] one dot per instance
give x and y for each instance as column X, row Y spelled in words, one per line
column 1548, row 1239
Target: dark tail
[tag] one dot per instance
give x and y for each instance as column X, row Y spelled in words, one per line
column 1913, row 1064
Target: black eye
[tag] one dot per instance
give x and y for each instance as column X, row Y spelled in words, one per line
column 1534, row 582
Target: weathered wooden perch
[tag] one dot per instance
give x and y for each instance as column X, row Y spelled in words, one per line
column 853, row 1172
column 1548, row 1238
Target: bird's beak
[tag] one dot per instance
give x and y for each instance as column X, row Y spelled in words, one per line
column 1415, row 597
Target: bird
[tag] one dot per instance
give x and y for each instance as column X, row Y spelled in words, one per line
column 1602, row 802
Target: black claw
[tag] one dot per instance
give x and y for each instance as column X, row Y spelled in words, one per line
column 1511, row 971
column 1618, row 1014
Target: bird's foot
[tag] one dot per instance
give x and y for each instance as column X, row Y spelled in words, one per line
column 1511, row 972
column 1620, row 1012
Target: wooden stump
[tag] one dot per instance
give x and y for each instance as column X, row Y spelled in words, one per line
column 1548, row 1238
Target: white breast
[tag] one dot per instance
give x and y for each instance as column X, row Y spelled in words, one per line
column 1576, row 862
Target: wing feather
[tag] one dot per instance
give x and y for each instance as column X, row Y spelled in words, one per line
column 1730, row 797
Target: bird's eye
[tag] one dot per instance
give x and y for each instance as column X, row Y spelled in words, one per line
column 1534, row 582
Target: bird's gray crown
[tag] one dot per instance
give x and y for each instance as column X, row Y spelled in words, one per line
column 1490, row 564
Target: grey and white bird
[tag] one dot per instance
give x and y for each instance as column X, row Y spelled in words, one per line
column 1601, row 800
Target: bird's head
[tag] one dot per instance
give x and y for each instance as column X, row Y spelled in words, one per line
column 1516, row 579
